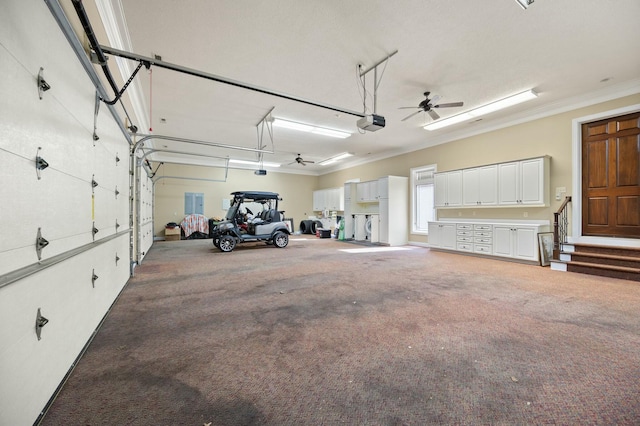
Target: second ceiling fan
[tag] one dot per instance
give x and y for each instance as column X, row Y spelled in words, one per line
column 427, row 105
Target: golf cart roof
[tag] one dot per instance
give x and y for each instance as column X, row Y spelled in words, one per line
column 256, row 195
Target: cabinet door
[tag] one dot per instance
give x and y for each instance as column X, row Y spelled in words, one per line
column 434, row 234
column 318, row 200
column 440, row 195
column 448, row 236
column 454, row 188
column 470, row 187
column 383, row 187
column 508, row 183
column 525, row 246
column 502, row 241
column 384, row 219
column 532, row 181
column 373, row 190
column 487, row 178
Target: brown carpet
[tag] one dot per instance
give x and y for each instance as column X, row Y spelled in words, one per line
column 310, row 335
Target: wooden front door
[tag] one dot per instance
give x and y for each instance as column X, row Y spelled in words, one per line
column 611, row 177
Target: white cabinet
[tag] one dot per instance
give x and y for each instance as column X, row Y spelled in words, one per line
column 513, row 240
column 480, row 186
column 328, row 199
column 448, row 189
column 516, row 242
column 524, row 182
column 442, row 235
column 392, row 207
column 367, row 192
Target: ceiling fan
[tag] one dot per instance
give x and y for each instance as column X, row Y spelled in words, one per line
column 299, row 160
column 427, row 106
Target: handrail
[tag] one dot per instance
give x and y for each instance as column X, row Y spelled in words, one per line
column 560, row 227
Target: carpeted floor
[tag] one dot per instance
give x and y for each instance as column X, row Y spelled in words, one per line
column 312, row 335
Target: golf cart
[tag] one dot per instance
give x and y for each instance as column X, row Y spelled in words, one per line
column 242, row 224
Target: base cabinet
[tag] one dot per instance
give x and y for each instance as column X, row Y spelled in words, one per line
column 516, row 240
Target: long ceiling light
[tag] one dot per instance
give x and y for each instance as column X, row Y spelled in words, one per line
column 255, row 163
column 485, row 109
column 286, row 124
column 335, row 158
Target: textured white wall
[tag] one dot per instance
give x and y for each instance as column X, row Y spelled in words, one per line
column 60, row 203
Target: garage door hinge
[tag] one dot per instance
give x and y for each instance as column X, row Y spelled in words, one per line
column 117, row 258
column 40, row 244
column 43, row 86
column 41, row 164
column 40, row 322
column 117, row 192
column 94, row 277
column 94, row 230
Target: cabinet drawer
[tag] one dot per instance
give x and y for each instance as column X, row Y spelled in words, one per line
column 482, row 240
column 482, row 248
column 467, row 233
column 465, row 247
column 482, row 227
column 465, row 239
column 482, row 233
column 464, row 226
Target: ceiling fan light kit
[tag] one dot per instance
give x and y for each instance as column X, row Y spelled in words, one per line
column 483, row 110
column 286, row 124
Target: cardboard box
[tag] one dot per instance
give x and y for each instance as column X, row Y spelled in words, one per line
column 172, row 234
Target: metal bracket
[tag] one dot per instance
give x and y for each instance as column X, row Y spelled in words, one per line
column 43, row 86
column 93, row 182
column 117, row 225
column 117, row 192
column 95, row 118
column 40, row 322
column 117, row 159
column 40, row 244
column 94, row 230
column 41, row 164
column 117, row 258
column 94, row 277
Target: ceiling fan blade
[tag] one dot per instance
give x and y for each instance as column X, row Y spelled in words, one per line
column 411, row 115
column 435, row 99
column 413, row 107
column 433, row 114
column 449, row 105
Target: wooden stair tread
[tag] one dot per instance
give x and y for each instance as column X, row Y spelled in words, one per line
column 600, row 266
column 603, row 256
column 597, row 246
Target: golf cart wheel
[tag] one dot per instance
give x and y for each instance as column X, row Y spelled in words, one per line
column 226, row 243
column 280, row 239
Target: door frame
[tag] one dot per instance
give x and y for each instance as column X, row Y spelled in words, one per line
column 576, row 200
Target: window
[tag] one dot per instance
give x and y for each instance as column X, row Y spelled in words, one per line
column 193, row 203
column 422, row 198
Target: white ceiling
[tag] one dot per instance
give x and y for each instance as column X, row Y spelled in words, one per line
column 572, row 52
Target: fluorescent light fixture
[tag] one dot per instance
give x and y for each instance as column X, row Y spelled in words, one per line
column 335, row 158
column 485, row 109
column 255, row 163
column 286, row 124
column 524, row 3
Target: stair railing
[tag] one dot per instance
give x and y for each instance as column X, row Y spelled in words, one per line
column 560, row 228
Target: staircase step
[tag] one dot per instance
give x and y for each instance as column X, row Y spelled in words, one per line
column 609, row 250
column 613, row 271
column 605, row 259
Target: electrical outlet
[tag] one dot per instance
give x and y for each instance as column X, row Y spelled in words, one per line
column 560, row 191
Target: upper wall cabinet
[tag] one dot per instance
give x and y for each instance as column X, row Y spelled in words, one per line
column 524, row 183
column 517, row 183
column 480, row 186
column 328, row 199
column 448, row 189
column 367, row 192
